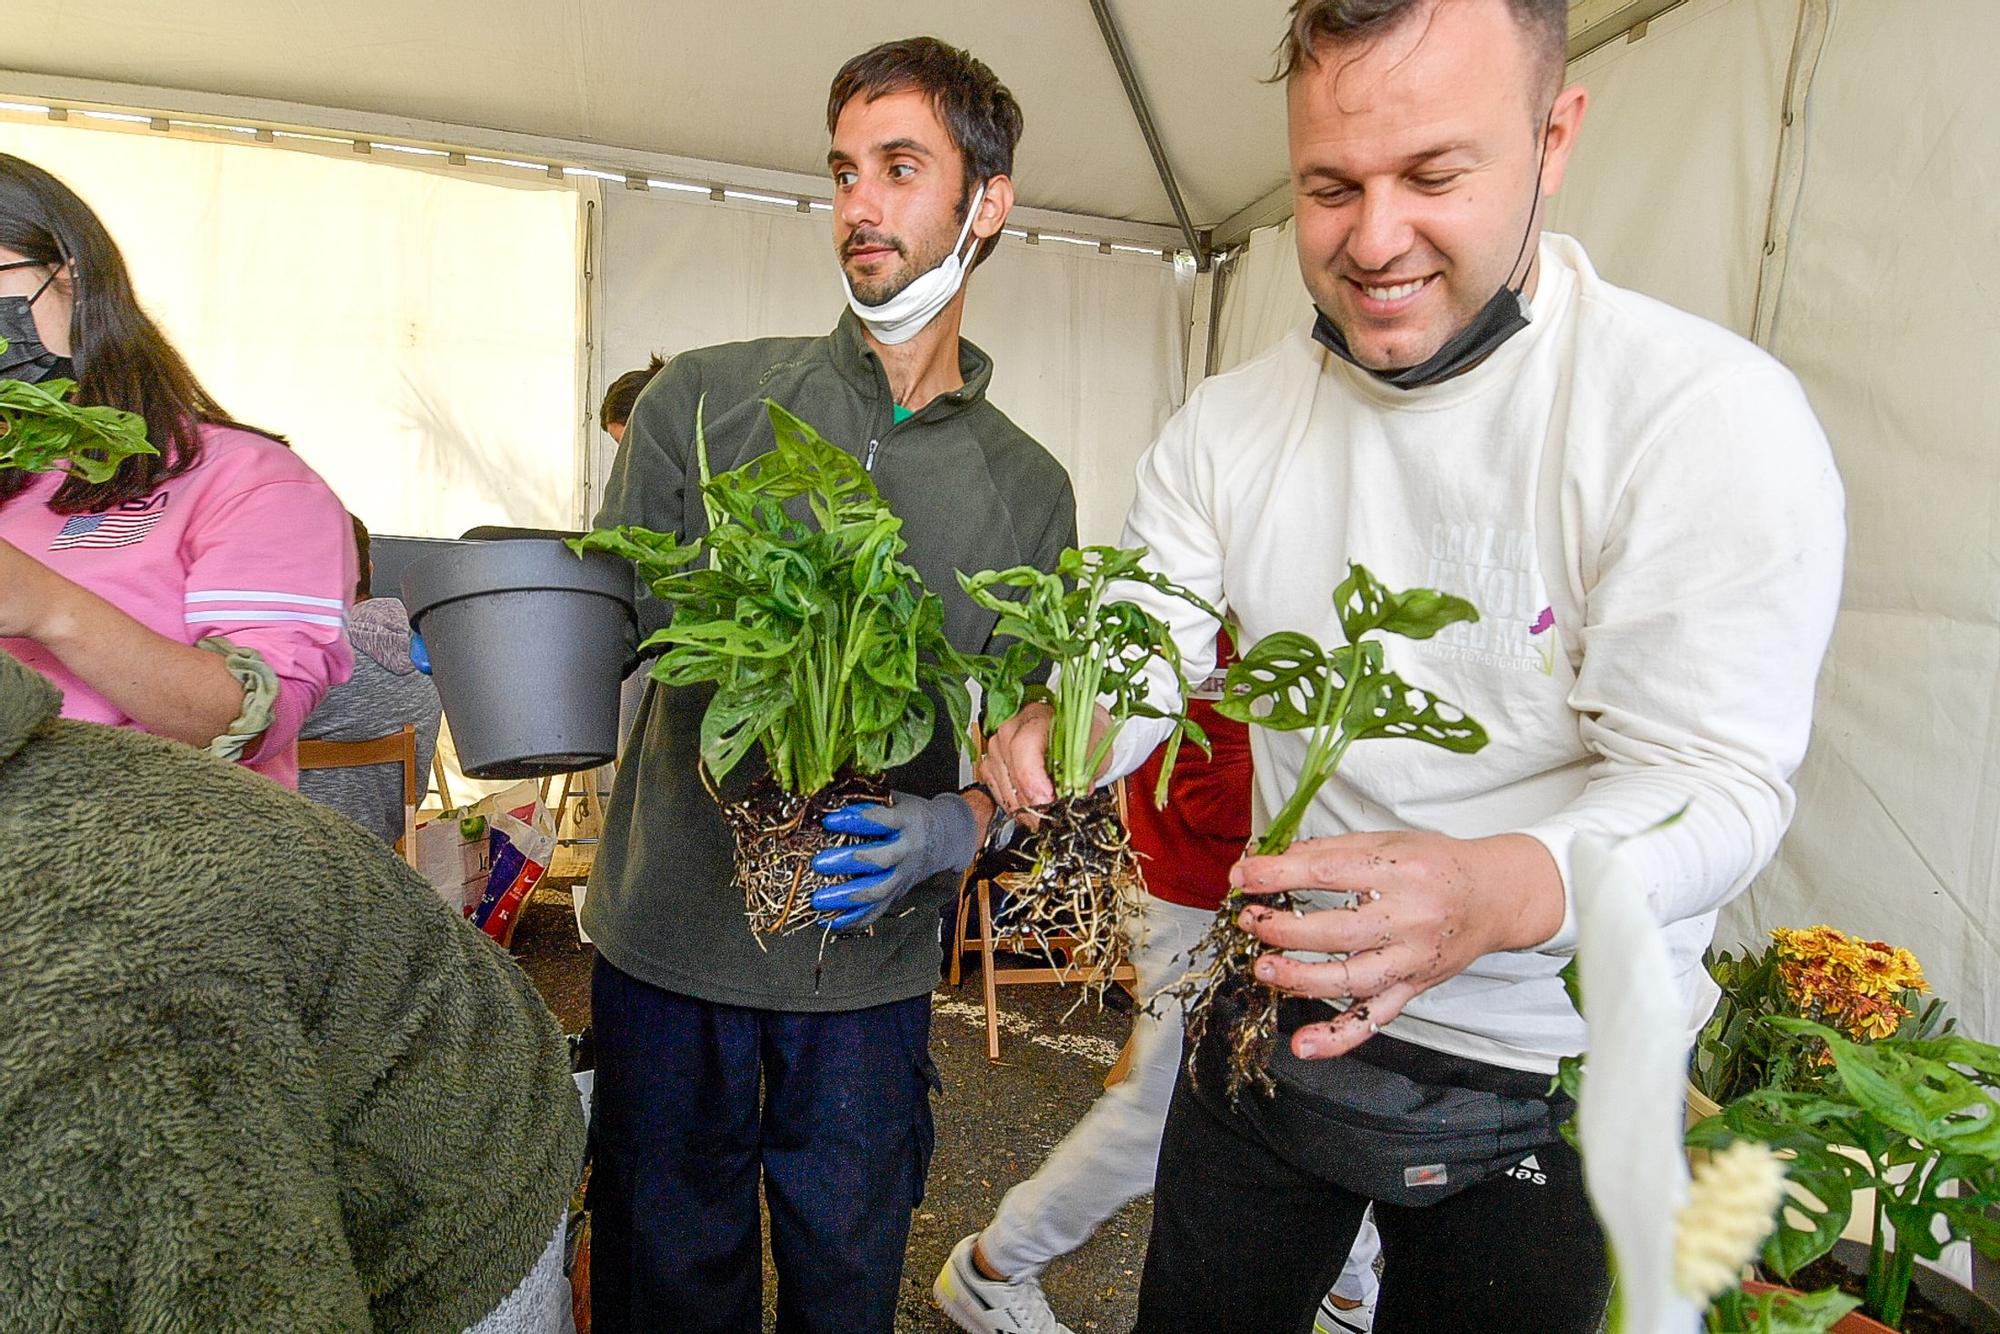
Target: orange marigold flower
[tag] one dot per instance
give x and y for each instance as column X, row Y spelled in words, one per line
column 1867, row 1017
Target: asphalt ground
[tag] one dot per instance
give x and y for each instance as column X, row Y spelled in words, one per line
column 995, row 1122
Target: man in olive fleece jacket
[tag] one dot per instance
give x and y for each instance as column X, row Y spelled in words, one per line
column 253, row 1074
column 802, row 1062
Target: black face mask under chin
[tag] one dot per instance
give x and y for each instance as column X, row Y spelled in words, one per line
column 1497, row 321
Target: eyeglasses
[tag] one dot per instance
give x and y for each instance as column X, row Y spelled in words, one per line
column 53, row 269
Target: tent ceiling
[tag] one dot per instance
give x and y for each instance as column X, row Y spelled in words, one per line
column 730, row 83
column 742, row 84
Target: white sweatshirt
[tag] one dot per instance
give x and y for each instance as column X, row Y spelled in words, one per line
column 1646, row 514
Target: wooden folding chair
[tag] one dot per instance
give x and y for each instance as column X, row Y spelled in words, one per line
column 396, row 748
column 978, row 893
column 576, row 850
column 438, row 779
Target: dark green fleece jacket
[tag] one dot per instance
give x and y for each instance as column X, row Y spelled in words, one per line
column 253, row 1074
column 973, row 492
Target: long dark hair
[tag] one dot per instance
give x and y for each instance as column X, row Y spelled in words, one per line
column 122, row 359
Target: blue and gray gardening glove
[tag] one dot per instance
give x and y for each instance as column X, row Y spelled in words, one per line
column 908, row 843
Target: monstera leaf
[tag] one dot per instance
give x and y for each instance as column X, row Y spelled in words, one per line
column 1289, row 683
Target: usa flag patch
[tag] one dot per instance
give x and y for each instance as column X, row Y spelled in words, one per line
column 116, row 529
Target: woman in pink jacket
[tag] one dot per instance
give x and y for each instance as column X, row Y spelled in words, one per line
column 197, row 594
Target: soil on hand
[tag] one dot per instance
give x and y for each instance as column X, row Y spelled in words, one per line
column 777, row 835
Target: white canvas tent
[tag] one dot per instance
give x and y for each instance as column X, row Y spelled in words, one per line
column 1818, row 175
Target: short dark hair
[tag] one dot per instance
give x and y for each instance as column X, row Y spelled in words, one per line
column 1545, row 23
column 981, row 116
column 363, row 577
column 616, row 409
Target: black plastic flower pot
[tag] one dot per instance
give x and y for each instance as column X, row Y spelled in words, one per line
column 526, row 644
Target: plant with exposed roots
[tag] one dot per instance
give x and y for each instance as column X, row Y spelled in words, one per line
column 1083, row 877
column 1336, row 697
column 823, row 647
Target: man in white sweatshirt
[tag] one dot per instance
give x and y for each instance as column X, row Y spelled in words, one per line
column 1647, row 516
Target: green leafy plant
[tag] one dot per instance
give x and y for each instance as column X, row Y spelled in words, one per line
column 823, row 648
column 40, row 429
column 1337, row 697
column 1082, row 879
column 1905, row 1117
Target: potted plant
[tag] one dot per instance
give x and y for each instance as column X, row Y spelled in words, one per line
column 1082, row 877
column 1913, row 1119
column 822, row 646
column 1867, row 989
column 1732, row 1206
column 1337, row 697
column 40, row 429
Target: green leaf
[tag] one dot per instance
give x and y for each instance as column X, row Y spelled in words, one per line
column 1003, row 682
column 1343, row 695
column 1806, row 1127
column 1779, row 1312
column 1917, row 1089
column 1385, row 707
column 1281, row 683
column 728, row 727
column 1364, row 606
column 1101, row 645
column 42, row 430
column 1572, row 980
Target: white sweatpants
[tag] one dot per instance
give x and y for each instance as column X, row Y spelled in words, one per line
column 1108, row 1158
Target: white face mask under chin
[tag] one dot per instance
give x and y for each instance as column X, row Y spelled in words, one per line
column 904, row 315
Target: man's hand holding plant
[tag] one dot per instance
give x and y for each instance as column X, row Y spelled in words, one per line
column 1426, row 906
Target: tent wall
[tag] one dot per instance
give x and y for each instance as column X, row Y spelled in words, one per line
column 1087, row 347
column 1887, row 314
column 1263, row 298
column 413, row 327
column 412, row 333
column 1847, row 213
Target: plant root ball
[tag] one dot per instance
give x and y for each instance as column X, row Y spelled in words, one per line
column 1082, row 883
column 777, row 835
column 1248, row 1006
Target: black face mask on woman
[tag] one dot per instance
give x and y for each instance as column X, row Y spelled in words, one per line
column 26, row 357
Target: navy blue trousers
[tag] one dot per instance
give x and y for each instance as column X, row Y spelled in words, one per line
column 693, row 1101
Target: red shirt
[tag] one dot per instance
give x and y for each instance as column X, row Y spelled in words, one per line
column 1186, row 850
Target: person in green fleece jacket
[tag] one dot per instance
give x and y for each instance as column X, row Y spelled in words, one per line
column 253, row 1073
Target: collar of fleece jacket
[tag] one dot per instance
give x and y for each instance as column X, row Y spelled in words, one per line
column 28, row 703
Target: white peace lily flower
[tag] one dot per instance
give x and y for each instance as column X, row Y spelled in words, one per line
column 1630, row 1119
column 1732, row 1206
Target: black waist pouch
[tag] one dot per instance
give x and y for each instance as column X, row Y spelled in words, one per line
column 1390, row 1121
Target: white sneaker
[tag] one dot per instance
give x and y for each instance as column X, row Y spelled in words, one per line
column 981, row 1305
column 1332, row 1320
